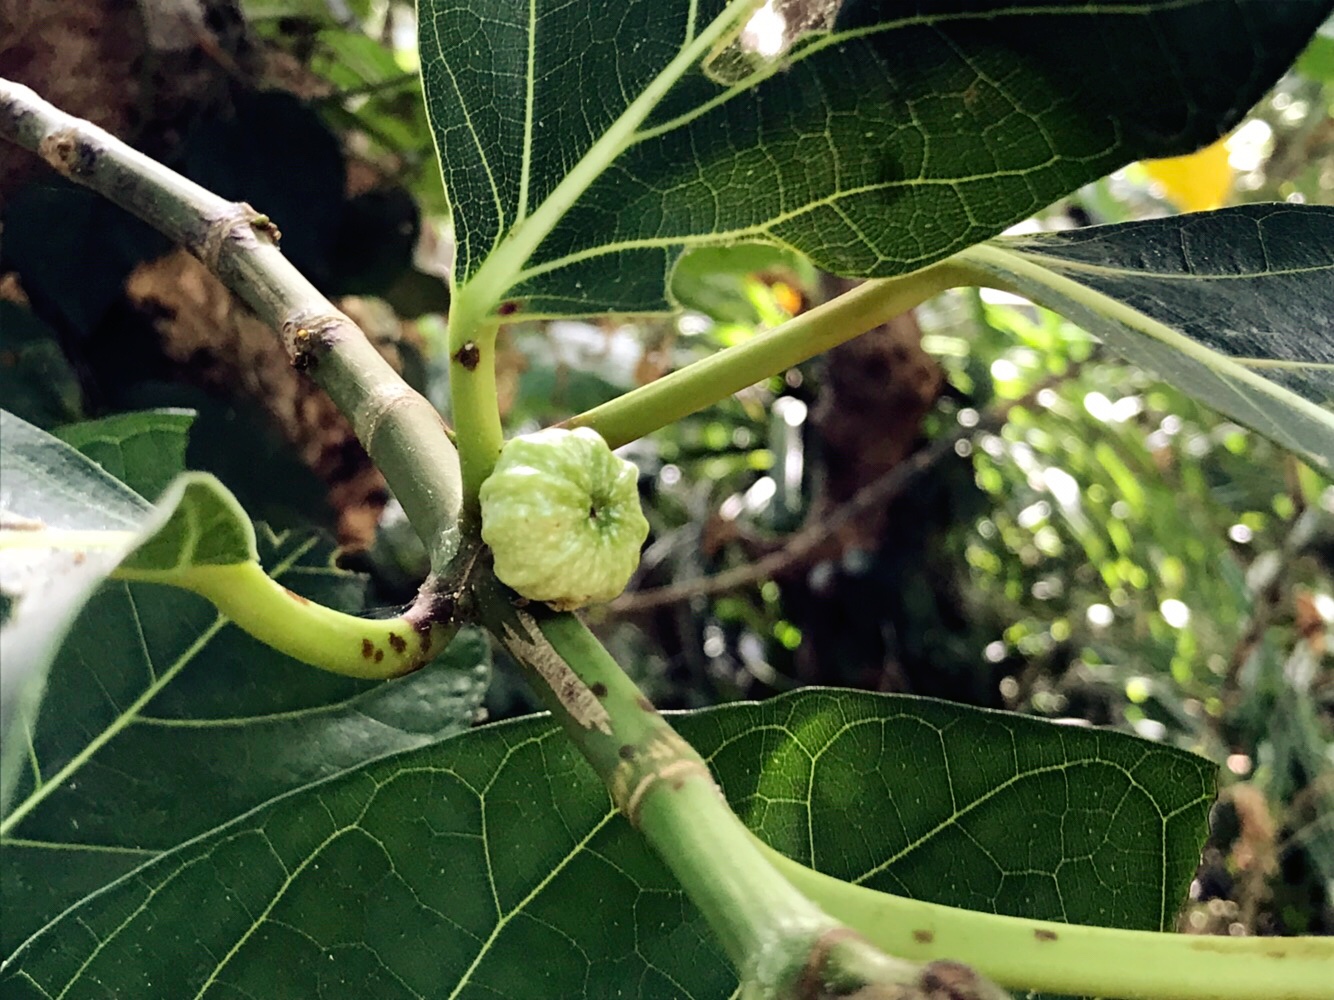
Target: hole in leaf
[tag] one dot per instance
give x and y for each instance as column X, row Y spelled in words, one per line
column 760, row 43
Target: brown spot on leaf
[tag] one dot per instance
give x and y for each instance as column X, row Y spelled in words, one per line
column 379, row 655
column 1042, row 934
column 923, row 936
column 367, row 649
column 398, row 642
column 468, row 355
column 508, row 308
column 626, row 751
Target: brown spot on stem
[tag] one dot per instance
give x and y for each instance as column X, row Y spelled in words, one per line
column 379, row 655
column 508, row 308
column 531, row 648
column 600, row 690
column 63, row 150
column 951, row 981
column 398, row 642
column 923, row 936
column 367, row 649
column 811, row 983
column 296, row 597
column 1042, row 934
column 645, row 704
column 626, row 752
column 468, row 356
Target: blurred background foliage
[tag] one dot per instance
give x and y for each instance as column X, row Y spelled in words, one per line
column 974, row 502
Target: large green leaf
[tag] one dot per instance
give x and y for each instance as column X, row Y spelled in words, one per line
column 908, row 133
column 491, row 864
column 1234, row 307
column 154, row 701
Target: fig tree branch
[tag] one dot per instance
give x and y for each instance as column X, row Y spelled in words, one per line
column 398, row 427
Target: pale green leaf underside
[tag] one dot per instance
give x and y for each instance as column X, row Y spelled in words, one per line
column 199, row 523
column 1235, row 307
column 911, row 131
column 80, row 526
column 490, row 865
column 47, row 487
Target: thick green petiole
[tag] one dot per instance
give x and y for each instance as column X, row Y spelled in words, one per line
column 372, row 649
column 716, row 377
column 1076, row 959
column 473, row 397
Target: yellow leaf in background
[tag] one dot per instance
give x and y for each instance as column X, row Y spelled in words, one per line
column 1195, row 183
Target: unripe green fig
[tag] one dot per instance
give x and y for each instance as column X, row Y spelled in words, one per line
column 561, row 514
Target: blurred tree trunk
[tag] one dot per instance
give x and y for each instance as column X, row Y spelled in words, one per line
column 878, row 608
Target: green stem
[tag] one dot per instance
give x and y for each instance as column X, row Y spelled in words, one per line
column 1074, row 959
column 399, row 428
column 782, row 944
column 657, row 780
column 369, row 648
column 716, row 377
column 473, row 397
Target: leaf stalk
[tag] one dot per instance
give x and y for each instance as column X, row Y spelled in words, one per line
column 705, row 382
column 367, row 648
column 1075, row 959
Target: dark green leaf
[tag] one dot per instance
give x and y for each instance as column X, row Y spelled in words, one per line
column 154, row 700
column 1234, row 307
column 908, row 133
column 491, row 864
column 143, row 450
column 161, row 721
